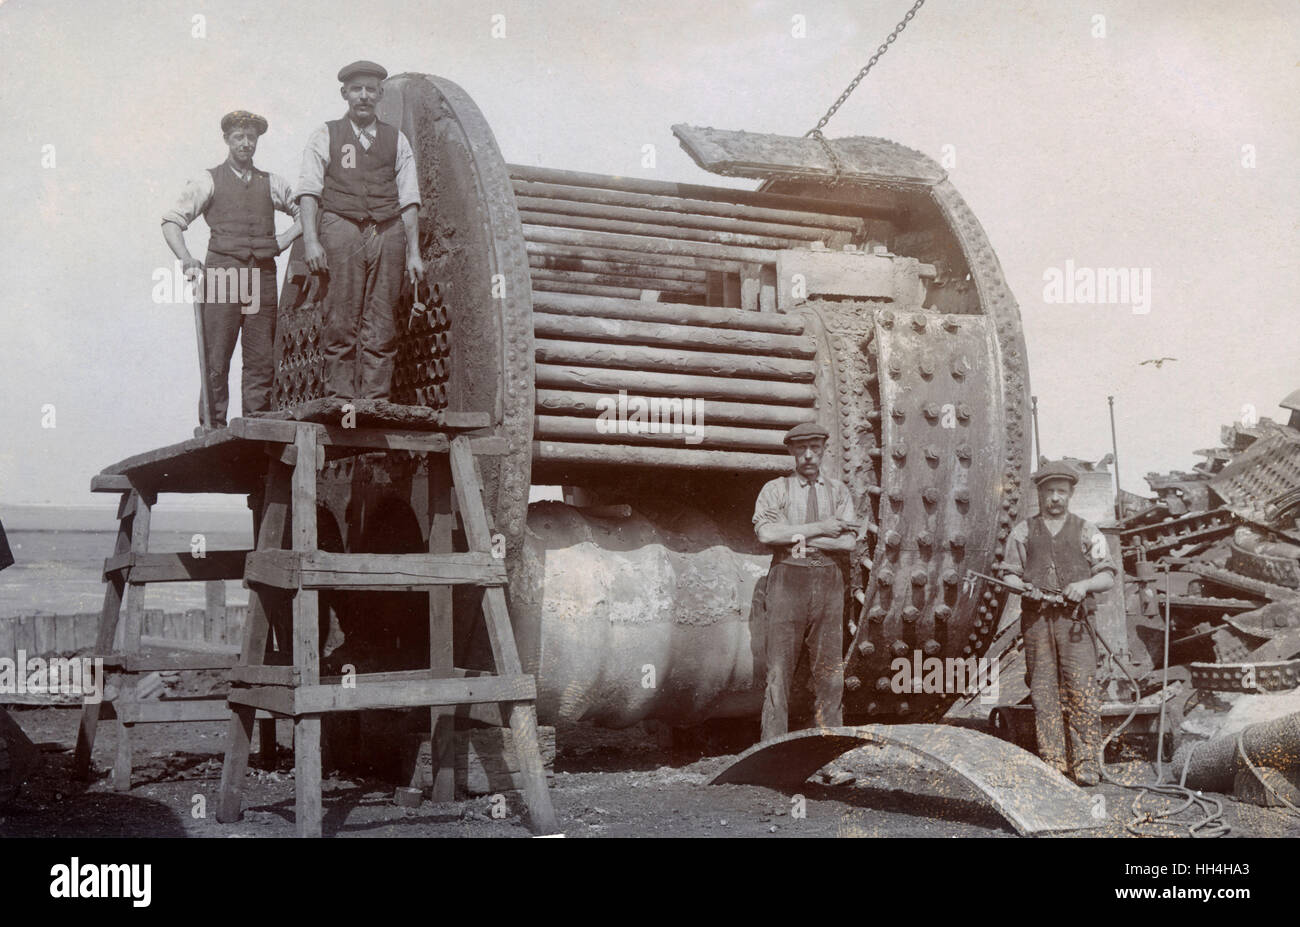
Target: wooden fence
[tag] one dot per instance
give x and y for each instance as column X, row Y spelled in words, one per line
column 66, row 635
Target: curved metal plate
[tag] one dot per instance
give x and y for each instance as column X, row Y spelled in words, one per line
column 1033, row 797
column 473, row 246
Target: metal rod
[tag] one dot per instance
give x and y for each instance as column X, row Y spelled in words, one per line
column 581, row 265
column 629, row 253
column 569, row 428
column 752, row 414
column 659, row 239
column 1114, row 444
column 655, row 383
column 587, row 289
column 673, row 313
column 1038, row 443
column 605, row 196
column 685, row 220
column 695, row 191
column 623, row 331
column 668, row 360
column 618, row 281
column 555, row 452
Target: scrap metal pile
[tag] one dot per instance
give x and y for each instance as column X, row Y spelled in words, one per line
column 1216, row 554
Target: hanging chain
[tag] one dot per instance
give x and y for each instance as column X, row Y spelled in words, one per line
column 816, row 132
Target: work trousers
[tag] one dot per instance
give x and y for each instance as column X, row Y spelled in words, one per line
column 224, row 320
column 366, row 263
column 1061, row 670
column 804, row 604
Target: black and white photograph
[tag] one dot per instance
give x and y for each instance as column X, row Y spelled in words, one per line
column 757, row 419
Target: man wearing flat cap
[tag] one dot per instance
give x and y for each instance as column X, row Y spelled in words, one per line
column 360, row 198
column 807, row 519
column 238, row 202
column 1057, row 552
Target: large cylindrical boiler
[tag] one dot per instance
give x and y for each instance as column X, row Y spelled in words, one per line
column 860, row 293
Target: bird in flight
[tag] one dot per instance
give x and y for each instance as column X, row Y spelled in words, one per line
column 1158, row 361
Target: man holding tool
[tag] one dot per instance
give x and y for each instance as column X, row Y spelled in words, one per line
column 359, row 177
column 808, row 520
column 1057, row 561
column 237, row 288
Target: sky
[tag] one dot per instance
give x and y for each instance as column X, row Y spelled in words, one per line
column 1164, row 137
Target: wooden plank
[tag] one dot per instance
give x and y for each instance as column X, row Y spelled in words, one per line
column 400, row 571
column 270, row 525
column 43, row 627
column 193, row 646
column 192, row 626
column 149, row 662
column 133, row 619
column 25, row 635
column 214, row 608
column 317, row 699
column 158, row 711
column 306, row 642
column 65, row 633
column 265, row 675
column 87, row 630
column 277, row 700
column 109, row 615
column 155, row 622
column 8, row 649
column 442, row 525
column 109, row 482
column 505, row 652
column 179, row 567
column 324, row 570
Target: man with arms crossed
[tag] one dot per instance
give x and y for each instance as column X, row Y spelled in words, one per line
column 808, row 520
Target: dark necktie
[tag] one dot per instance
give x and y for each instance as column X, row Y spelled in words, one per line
column 812, row 503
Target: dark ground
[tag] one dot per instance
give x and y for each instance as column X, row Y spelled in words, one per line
column 607, row 784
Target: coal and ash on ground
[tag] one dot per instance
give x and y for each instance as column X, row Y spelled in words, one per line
column 606, row 784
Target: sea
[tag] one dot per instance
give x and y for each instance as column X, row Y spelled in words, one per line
column 59, row 553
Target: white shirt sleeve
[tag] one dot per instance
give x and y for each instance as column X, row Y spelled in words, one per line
column 315, row 157
column 408, row 180
column 193, row 201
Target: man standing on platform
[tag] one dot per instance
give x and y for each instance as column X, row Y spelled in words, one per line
column 1058, row 553
column 808, row 520
column 238, row 201
column 360, row 199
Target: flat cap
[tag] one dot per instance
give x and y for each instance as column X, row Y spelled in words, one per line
column 805, row 430
column 361, row 67
column 242, row 117
column 1056, row 470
